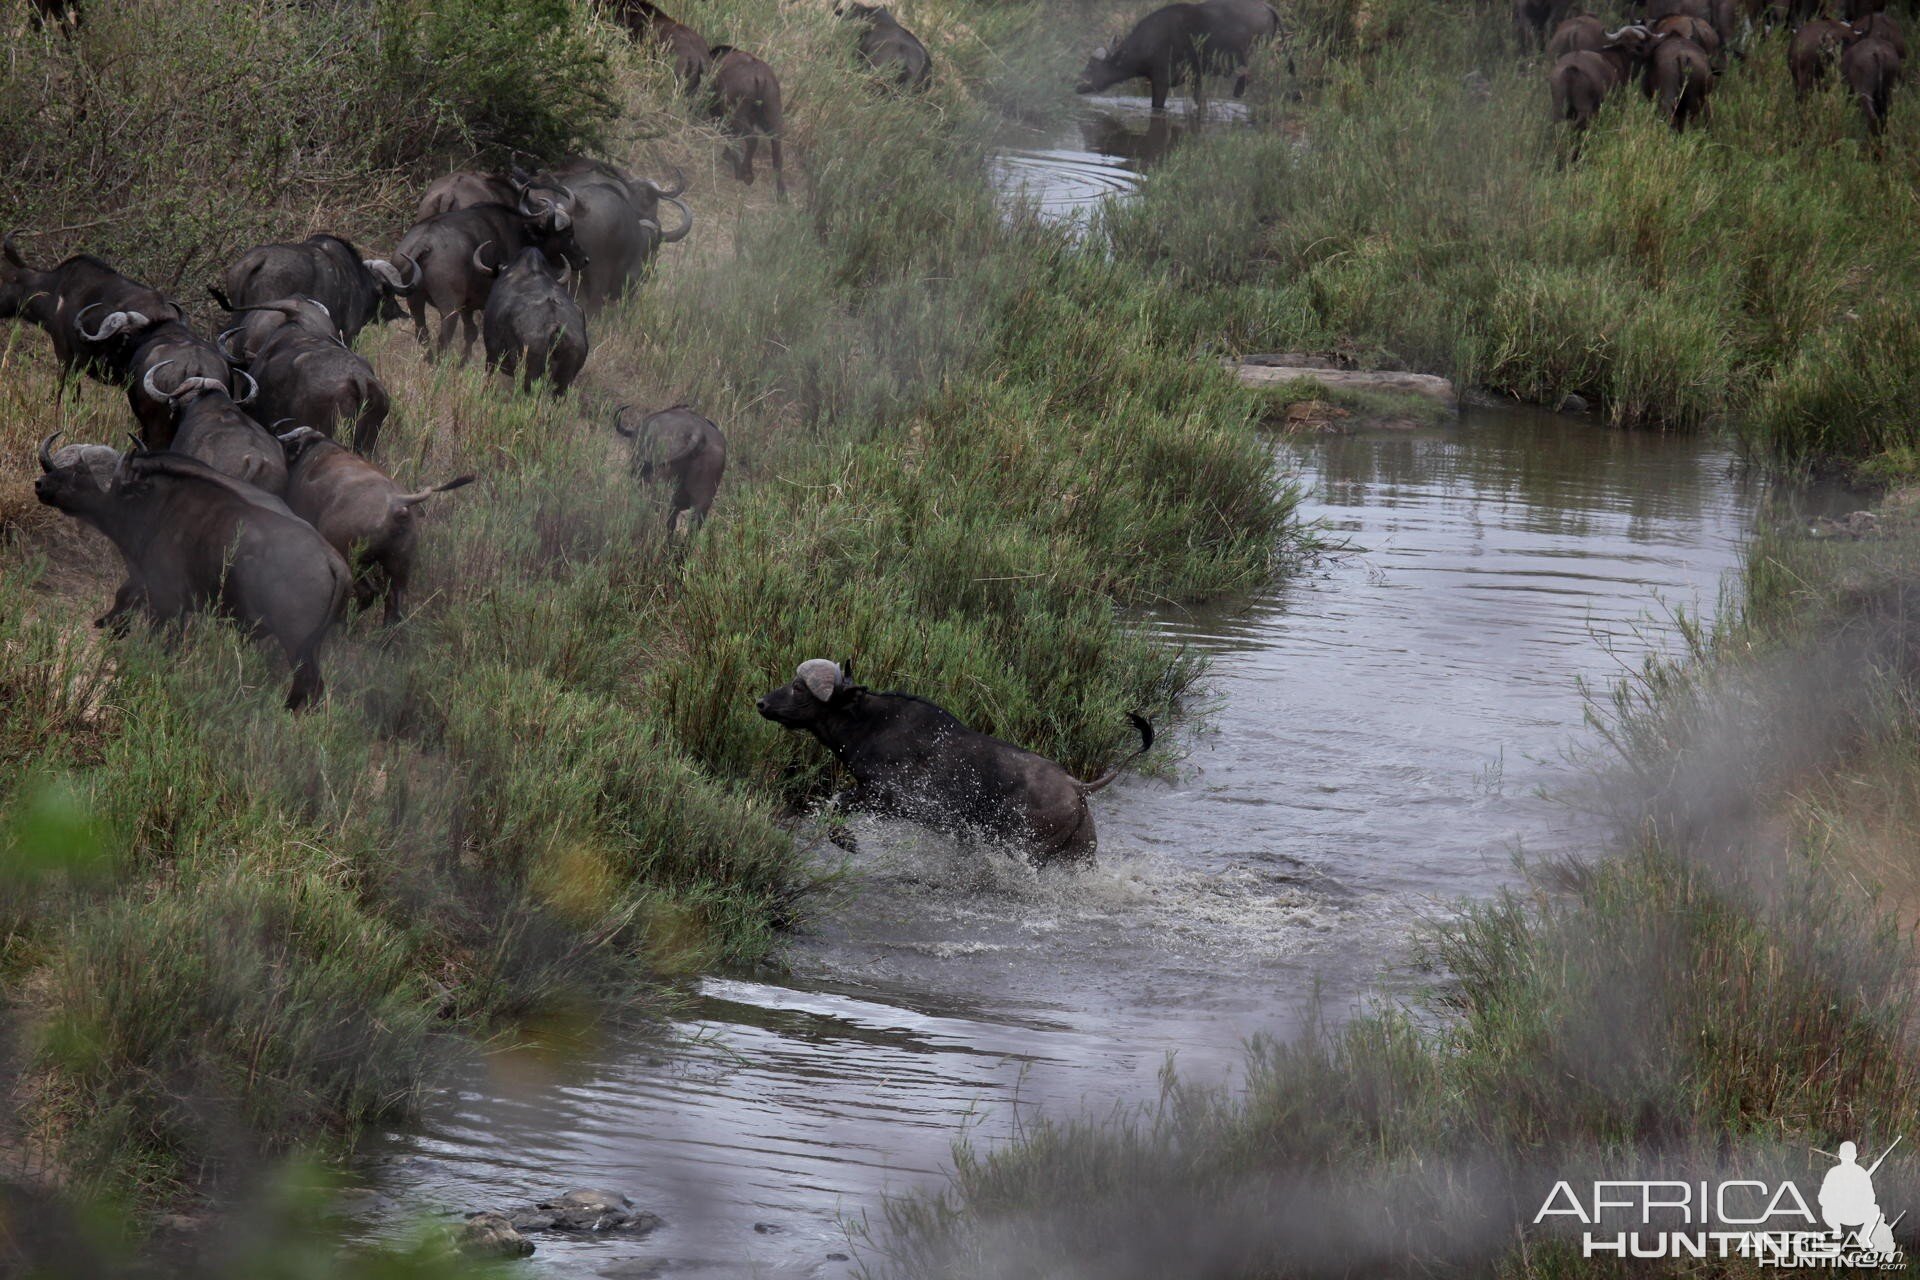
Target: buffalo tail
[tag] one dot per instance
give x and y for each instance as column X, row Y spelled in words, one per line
column 1146, row 743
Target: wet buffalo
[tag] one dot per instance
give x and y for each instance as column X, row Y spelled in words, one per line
column 893, row 52
column 89, row 311
column 357, row 291
column 205, row 422
column 361, row 512
column 685, row 48
column 744, row 96
column 194, row 540
column 1183, row 44
column 679, row 445
column 912, row 760
column 455, row 250
column 533, row 326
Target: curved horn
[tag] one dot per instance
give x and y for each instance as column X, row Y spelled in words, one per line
column 46, row 443
column 686, row 221
column 221, row 344
column 11, row 250
column 561, row 218
column 821, row 677
column 253, row 385
column 116, row 322
column 152, row 389
column 627, row 431
column 413, row 282
column 479, row 263
column 384, row 270
column 679, row 183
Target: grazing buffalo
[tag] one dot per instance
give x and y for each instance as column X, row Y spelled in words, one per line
column 1678, row 77
column 356, row 291
column 194, row 360
column 1578, row 33
column 913, row 760
column 615, row 227
column 1183, row 44
column 1814, row 49
column 453, row 248
column 685, row 47
column 245, row 340
column 88, row 310
column 465, row 188
column 893, row 52
column 533, row 325
column 744, row 96
column 1871, row 67
column 1579, row 82
column 683, row 447
column 310, row 381
column 360, row 511
column 196, row 540
column 205, row 422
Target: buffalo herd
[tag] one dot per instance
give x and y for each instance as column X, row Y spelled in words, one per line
column 1678, row 48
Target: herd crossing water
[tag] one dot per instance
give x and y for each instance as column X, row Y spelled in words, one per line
column 1387, row 728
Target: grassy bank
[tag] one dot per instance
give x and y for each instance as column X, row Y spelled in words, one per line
column 1758, row 273
column 955, row 446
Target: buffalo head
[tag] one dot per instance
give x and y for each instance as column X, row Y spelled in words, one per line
column 76, row 478
column 816, row 686
column 1099, row 73
column 396, row 282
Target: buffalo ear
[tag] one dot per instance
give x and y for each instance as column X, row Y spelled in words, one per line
column 846, row 672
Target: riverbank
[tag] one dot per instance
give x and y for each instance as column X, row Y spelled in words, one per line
column 957, row 446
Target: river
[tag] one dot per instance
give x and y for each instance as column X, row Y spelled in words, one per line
column 1381, row 734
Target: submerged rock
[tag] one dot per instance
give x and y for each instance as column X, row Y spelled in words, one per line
column 1573, row 402
column 491, row 1235
column 587, row 1211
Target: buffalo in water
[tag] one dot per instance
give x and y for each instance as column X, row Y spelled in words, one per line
column 684, row 46
column 744, row 96
column 533, row 326
column 892, row 51
column 361, row 512
column 194, row 540
column 684, row 448
column 356, row 291
column 915, row 761
column 454, row 249
column 87, row 309
column 1183, row 44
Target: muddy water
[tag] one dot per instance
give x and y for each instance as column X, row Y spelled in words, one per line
column 1382, row 727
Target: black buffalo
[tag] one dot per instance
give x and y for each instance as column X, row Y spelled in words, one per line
column 455, row 248
column 912, row 760
column 679, row 445
column 241, row 343
column 361, row 512
column 1183, row 44
column 89, row 311
column 310, row 381
column 356, row 291
column 893, row 52
column 685, row 47
column 744, row 96
column 193, row 360
column 465, row 188
column 615, row 222
column 205, row 422
column 1871, row 68
column 194, row 540
column 533, row 326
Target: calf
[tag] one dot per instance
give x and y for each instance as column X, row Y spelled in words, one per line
column 684, row 447
column 360, row 511
column 745, row 99
column 914, row 761
column 1680, row 78
column 532, row 325
column 194, row 540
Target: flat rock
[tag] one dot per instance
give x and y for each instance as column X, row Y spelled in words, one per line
column 587, row 1212
column 1431, row 386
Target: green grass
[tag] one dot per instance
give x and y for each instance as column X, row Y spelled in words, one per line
column 957, row 447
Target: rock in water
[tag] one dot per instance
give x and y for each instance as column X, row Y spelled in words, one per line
column 491, row 1235
column 587, row 1212
column 1572, row 402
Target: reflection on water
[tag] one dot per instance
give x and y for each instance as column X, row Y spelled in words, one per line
column 1384, row 725
column 1064, row 172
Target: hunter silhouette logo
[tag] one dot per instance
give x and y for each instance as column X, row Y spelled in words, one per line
column 1770, row 1223
column 1848, row 1206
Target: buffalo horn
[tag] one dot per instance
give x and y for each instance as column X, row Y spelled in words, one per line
column 114, row 323
column 253, row 387
column 686, row 221
column 409, row 285
column 820, row 676
column 46, row 451
column 479, row 263
column 153, row 391
column 221, row 341
column 384, row 269
column 679, row 183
